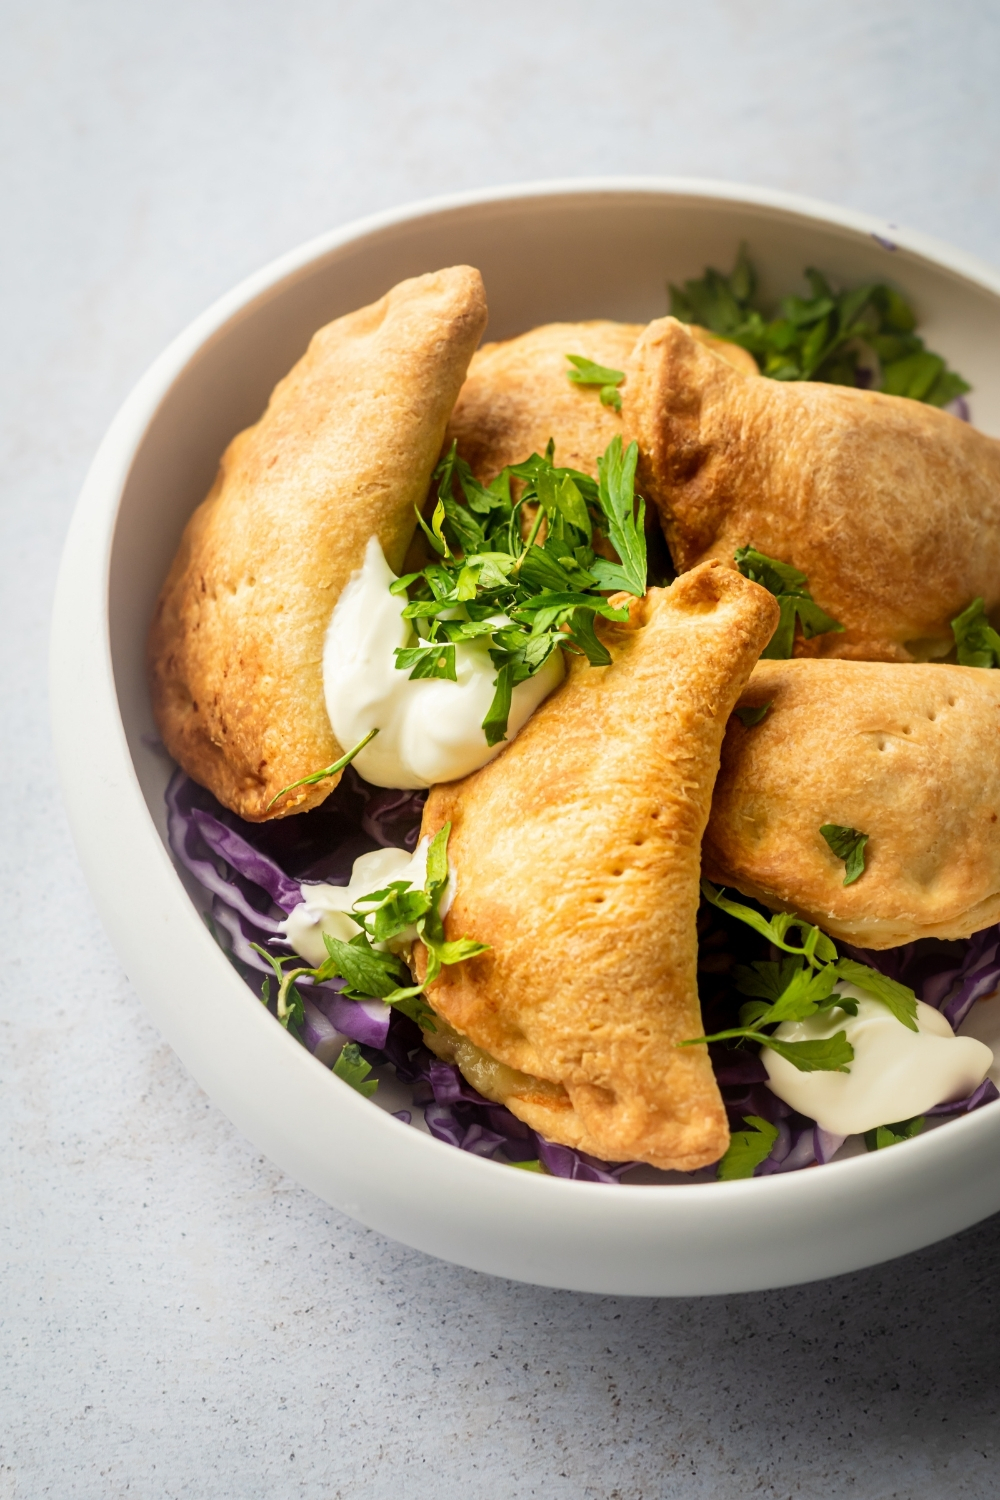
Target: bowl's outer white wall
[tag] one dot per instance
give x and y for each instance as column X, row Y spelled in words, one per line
column 568, row 253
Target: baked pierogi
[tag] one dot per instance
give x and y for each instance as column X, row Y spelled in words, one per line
column 576, row 856
column 909, row 755
column 343, row 453
column 891, row 508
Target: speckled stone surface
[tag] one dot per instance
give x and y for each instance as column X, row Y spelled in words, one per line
column 176, row 1317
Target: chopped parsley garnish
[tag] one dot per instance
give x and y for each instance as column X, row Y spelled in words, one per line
column 752, row 716
column 373, row 973
column 525, row 597
column 352, row 1068
column 978, row 643
column 863, row 337
column 891, row 1135
column 849, row 845
column 747, row 1149
column 586, row 372
column 800, row 986
column 796, row 603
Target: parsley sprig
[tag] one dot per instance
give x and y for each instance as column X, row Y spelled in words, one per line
column 372, row 972
column 586, row 372
column 525, row 597
column 747, row 1149
column 978, row 644
column 863, row 337
column 799, row 986
column 849, row 845
column 795, row 602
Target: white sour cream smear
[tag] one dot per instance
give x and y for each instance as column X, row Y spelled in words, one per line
column 896, row 1073
column 324, row 907
column 429, row 730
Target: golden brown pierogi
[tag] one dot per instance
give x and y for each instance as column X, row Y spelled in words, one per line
column 343, row 452
column 576, row 855
column 890, row 508
column 518, row 396
column 909, row 755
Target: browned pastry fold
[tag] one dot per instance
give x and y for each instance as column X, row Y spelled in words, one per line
column 518, row 396
column 909, row 755
column 891, row 508
column 576, row 856
column 343, row 452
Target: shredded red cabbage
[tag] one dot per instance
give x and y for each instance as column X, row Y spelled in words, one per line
column 254, row 875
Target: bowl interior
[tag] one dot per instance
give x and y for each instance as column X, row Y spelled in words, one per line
column 569, row 254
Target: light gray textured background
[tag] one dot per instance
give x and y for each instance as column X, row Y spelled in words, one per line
column 177, row 1318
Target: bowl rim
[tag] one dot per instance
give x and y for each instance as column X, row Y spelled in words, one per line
column 108, row 814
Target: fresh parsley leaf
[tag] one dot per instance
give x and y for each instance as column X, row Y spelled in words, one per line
column 891, row 1135
column 586, row 372
column 899, row 998
column 803, row 993
column 978, row 643
column 849, row 845
column 747, row 1149
column 498, row 713
column 816, row 948
column 795, row 602
column 829, row 1054
column 524, row 597
column 367, row 972
column 625, row 521
column 427, row 661
column 751, row 716
column 352, row 1068
column 823, row 1055
column 317, row 776
column 862, row 337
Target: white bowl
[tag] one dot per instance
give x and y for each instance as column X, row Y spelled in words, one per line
column 571, row 250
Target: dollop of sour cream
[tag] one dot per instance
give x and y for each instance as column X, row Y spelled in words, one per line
column 896, row 1073
column 324, row 908
column 429, row 729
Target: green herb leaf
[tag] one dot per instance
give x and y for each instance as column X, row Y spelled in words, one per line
column 495, row 722
column 891, row 1135
column 816, row 948
column 751, row 716
column 829, row 1054
column 899, row 998
column 625, row 521
column 365, row 970
column 849, row 845
column 978, row 643
column 795, row 602
column 586, row 372
column 747, row 1149
column 427, row 661
column 317, row 776
column 859, row 337
column 824, row 1055
column 352, row 1068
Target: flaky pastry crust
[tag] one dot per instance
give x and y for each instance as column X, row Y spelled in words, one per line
column 343, row 452
column 891, row 508
column 909, row 755
column 518, row 396
column 577, row 856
